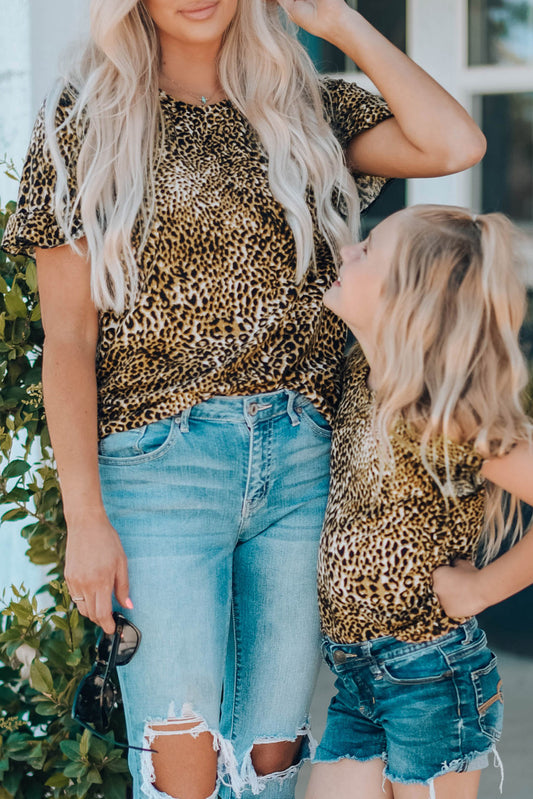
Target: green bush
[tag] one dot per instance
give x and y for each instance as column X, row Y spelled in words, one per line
column 45, row 645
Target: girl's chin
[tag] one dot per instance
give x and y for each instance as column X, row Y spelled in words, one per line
column 331, row 299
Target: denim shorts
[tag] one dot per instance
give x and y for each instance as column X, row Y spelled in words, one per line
column 425, row 708
column 219, row 511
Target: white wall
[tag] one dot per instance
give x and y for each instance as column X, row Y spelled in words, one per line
column 33, row 34
column 54, row 26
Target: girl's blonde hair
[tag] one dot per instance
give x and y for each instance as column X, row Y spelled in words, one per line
column 448, row 357
column 266, row 74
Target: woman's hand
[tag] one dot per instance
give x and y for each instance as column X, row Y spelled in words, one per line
column 96, row 565
column 318, row 17
column 457, row 588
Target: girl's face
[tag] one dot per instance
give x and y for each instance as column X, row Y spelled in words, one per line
column 192, row 21
column 356, row 295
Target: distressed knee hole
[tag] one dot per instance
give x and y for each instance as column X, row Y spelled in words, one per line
column 183, row 760
column 275, row 756
column 277, row 759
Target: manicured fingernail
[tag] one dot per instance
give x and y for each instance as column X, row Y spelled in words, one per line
column 128, row 604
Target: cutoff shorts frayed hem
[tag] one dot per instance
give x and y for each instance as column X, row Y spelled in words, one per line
column 423, row 709
column 473, row 762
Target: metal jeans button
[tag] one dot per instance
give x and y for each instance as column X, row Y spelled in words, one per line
column 253, row 408
column 339, row 656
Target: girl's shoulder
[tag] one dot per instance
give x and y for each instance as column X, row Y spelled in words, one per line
column 456, row 464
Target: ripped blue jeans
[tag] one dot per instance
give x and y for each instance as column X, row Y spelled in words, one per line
column 219, row 511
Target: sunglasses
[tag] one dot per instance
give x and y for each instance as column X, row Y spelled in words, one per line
column 97, row 696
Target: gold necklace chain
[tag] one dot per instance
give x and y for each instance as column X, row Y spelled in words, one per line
column 203, row 99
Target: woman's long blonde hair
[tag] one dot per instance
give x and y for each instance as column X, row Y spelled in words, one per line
column 266, row 74
column 448, row 360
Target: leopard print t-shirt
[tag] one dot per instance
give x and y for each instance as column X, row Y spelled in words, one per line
column 381, row 543
column 218, row 311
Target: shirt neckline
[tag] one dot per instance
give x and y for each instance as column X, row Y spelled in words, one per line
column 165, row 96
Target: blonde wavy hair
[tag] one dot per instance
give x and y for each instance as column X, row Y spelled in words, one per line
column 448, row 359
column 266, row 74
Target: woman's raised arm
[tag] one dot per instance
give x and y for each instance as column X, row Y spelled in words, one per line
column 95, row 560
column 431, row 134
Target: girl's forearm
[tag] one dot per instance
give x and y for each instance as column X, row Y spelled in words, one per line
column 508, row 574
column 69, row 385
column 426, row 114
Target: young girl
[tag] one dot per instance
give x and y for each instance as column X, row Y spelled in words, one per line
column 429, row 431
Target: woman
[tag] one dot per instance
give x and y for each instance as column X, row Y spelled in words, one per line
column 182, row 192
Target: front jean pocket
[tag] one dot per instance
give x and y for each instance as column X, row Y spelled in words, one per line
column 428, row 666
column 313, row 419
column 144, row 443
column 489, row 698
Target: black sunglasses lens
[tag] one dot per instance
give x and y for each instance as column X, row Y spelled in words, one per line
column 95, row 700
column 127, row 644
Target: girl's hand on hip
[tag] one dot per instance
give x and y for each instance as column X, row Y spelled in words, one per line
column 318, row 17
column 95, row 566
column 457, row 589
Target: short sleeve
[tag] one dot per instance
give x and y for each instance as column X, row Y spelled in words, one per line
column 456, row 462
column 34, row 223
column 350, row 110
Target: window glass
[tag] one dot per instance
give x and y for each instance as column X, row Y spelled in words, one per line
column 500, row 32
column 388, row 16
column 507, row 169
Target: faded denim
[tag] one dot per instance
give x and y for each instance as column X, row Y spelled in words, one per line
column 219, row 511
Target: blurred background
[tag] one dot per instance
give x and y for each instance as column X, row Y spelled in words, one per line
column 482, row 52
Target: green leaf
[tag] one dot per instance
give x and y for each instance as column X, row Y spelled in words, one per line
column 74, row 658
column 46, row 709
column 16, row 495
column 98, row 749
column 41, row 678
column 77, row 769
column 71, row 749
column 16, row 468
column 57, row 781
column 31, row 276
column 84, row 743
column 15, row 305
column 94, row 776
column 114, row 787
column 15, row 515
column 119, row 765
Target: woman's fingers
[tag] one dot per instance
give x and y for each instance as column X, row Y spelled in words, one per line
column 95, row 565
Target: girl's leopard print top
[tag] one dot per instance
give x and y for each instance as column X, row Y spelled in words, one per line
column 381, row 542
column 218, row 311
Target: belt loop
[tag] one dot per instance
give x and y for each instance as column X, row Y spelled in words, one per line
column 184, row 420
column 469, row 632
column 293, row 416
